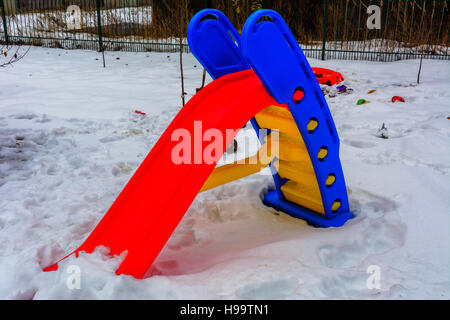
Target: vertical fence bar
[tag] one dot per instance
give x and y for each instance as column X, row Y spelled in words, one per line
column 99, row 26
column 325, row 25
column 5, row 29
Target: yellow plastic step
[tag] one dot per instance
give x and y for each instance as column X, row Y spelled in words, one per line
column 277, row 118
column 292, row 148
column 303, row 195
column 293, row 162
column 304, row 167
column 297, row 171
column 280, row 111
column 241, row 168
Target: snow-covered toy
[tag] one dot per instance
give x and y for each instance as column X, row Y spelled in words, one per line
column 263, row 77
column 362, row 101
column 397, row 98
column 327, row 76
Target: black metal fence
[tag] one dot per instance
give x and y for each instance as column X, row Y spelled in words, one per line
column 384, row 30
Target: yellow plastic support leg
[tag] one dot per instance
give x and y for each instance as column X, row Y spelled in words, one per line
column 242, row 168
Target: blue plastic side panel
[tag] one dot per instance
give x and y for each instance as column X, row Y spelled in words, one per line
column 275, row 56
column 215, row 43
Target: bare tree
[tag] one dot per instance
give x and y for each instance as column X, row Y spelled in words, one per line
column 203, row 81
column 175, row 21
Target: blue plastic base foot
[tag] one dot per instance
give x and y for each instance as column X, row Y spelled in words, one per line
column 315, row 219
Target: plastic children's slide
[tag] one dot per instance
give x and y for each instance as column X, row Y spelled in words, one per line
column 263, row 77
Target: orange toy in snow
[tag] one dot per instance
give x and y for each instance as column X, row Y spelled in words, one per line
column 327, row 76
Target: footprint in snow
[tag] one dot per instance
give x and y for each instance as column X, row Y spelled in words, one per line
column 25, row 116
column 346, row 285
column 273, row 289
column 383, row 231
column 359, row 144
column 111, row 138
column 123, row 168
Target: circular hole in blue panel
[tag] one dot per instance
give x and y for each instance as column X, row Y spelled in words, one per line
column 299, row 95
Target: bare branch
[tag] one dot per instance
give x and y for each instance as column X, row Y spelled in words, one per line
column 11, row 54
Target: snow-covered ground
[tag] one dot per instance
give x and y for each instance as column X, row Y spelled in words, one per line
column 70, row 140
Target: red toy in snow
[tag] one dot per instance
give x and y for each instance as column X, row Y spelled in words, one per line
column 397, row 98
column 327, row 76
